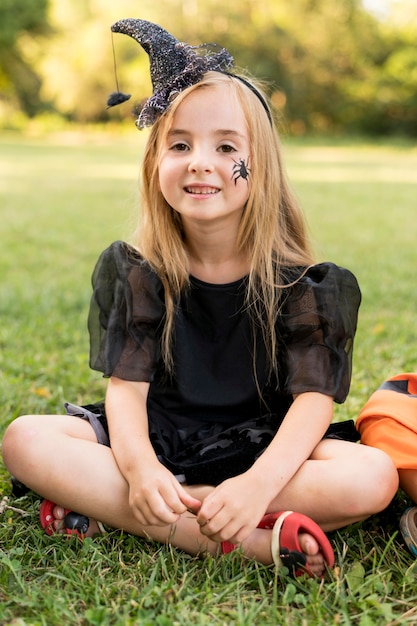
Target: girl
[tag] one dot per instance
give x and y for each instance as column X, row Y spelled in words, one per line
column 225, row 347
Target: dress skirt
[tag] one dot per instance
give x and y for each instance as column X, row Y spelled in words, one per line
column 201, row 453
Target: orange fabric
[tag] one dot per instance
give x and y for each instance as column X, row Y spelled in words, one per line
column 389, row 421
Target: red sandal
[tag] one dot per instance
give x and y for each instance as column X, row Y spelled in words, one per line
column 286, row 549
column 74, row 523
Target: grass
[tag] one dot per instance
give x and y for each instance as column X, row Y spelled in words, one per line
column 63, row 199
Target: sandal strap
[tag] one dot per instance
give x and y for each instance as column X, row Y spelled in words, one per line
column 101, row 527
column 75, row 523
column 275, row 541
column 291, row 559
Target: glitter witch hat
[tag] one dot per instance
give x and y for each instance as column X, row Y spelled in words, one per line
column 174, row 65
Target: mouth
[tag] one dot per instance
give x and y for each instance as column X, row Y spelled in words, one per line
column 201, row 191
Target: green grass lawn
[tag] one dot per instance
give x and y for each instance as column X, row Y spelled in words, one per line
column 62, row 200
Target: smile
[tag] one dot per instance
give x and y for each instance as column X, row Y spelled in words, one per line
column 202, row 190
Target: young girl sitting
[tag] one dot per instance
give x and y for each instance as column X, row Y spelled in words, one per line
column 224, row 344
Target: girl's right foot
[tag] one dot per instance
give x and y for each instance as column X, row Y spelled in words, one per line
column 56, row 519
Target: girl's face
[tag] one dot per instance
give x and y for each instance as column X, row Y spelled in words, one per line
column 205, row 166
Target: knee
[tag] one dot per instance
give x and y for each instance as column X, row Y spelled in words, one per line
column 16, row 444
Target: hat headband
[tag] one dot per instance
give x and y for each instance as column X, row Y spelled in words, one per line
column 174, row 66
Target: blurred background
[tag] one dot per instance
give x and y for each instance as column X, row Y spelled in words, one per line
column 331, row 66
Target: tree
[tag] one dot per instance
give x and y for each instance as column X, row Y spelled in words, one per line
column 21, row 22
column 329, row 65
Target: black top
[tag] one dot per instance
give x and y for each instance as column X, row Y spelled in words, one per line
column 214, row 378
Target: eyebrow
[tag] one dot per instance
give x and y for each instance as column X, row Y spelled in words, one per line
column 221, row 132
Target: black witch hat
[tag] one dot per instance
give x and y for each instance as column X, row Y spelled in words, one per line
column 174, row 65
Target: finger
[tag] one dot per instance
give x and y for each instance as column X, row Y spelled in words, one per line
column 227, row 527
column 171, row 504
column 161, row 519
column 223, row 534
column 178, row 500
column 192, row 504
column 209, row 510
column 142, row 517
column 154, row 512
column 231, row 533
column 220, row 525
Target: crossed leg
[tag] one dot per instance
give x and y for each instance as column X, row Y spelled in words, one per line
column 58, row 457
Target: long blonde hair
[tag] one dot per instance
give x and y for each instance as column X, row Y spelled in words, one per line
column 272, row 232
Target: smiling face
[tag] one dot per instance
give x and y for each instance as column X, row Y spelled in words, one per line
column 204, row 167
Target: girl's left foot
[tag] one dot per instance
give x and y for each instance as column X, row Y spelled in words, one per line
column 295, row 542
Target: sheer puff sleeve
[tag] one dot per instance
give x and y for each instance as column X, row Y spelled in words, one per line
column 126, row 314
column 319, row 320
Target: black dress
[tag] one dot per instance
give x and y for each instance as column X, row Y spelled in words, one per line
column 208, row 421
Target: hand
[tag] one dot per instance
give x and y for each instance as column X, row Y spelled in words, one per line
column 157, row 498
column 234, row 509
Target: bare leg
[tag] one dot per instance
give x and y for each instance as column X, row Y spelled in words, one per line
column 58, row 457
column 257, row 546
column 340, row 484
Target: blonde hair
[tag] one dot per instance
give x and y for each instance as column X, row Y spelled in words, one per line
column 272, row 232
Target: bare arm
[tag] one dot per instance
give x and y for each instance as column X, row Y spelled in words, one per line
column 235, row 507
column 156, row 497
column 303, row 427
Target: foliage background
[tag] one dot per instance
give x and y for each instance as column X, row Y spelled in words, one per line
column 330, row 66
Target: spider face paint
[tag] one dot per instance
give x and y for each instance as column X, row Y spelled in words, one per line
column 240, row 170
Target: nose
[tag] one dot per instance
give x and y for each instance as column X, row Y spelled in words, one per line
column 200, row 161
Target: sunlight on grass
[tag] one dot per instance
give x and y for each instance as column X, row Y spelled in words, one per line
column 354, row 164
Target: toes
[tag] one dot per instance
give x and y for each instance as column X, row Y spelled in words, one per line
column 58, row 526
column 58, row 512
column 315, row 559
column 59, row 522
column 308, row 544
